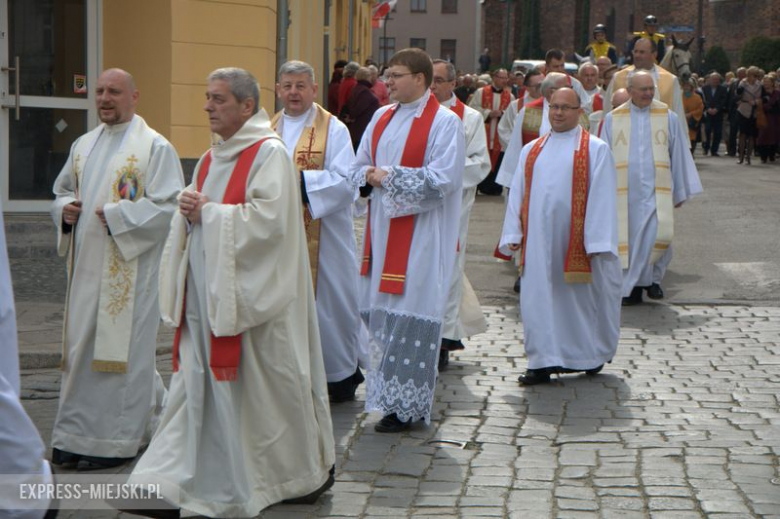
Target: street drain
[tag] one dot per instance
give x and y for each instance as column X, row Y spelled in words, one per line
column 448, row 444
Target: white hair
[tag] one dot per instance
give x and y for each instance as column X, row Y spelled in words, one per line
column 636, row 74
column 295, row 68
column 587, row 64
column 241, row 82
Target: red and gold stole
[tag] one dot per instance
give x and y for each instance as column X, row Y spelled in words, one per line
column 532, row 120
column 487, row 104
column 399, row 236
column 225, row 351
column 576, row 268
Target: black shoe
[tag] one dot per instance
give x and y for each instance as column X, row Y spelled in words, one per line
column 635, row 298
column 310, row 499
column 533, row 377
column 391, row 424
column 444, row 359
column 594, row 371
column 344, row 391
column 96, row 463
column 452, row 345
column 516, row 288
column 705, row 152
column 715, row 154
column 60, row 457
column 654, row 291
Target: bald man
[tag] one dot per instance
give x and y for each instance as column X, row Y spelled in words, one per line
column 115, row 197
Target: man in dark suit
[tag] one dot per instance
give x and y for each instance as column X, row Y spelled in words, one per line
column 715, row 104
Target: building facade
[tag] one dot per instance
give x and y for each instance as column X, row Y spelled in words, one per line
column 169, row 46
column 446, row 29
column 538, row 25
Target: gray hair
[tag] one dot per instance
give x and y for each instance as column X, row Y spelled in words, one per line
column 363, row 74
column 636, row 74
column 350, row 69
column 588, row 64
column 450, row 68
column 243, row 84
column 550, row 81
column 296, row 67
column 716, row 74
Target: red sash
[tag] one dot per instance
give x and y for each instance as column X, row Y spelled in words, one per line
column 598, row 103
column 225, row 351
column 576, row 267
column 459, row 108
column 399, row 236
column 520, row 100
column 487, row 103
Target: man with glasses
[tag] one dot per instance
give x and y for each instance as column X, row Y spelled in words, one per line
column 492, row 101
column 456, row 324
column 565, row 233
column 532, row 91
column 410, row 163
column 655, row 173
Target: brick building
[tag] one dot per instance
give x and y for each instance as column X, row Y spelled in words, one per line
column 537, row 25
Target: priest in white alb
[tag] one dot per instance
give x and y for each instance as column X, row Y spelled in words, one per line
column 656, row 173
column 247, row 423
column 464, row 316
column 114, row 200
column 533, row 91
column 410, row 163
column 321, row 150
column 21, row 447
column 562, row 220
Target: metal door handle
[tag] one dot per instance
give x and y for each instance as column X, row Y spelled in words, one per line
column 17, row 83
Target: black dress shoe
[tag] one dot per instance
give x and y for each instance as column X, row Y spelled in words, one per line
column 594, row 371
column 391, row 424
column 715, row 154
column 444, row 359
column 87, row 463
column 60, row 457
column 310, row 499
column 516, row 288
column 452, row 345
column 654, row 291
column 344, row 390
column 635, row 298
column 533, row 377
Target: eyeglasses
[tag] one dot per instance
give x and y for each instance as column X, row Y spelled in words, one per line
column 563, row 108
column 440, row 80
column 395, row 76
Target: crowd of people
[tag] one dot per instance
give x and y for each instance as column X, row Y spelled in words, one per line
column 280, row 314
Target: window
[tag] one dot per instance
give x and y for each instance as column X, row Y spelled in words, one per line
column 448, row 48
column 449, row 6
column 419, row 6
column 417, row 42
column 386, row 48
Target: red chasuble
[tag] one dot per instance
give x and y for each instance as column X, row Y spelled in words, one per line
column 487, row 104
column 576, row 267
column 399, row 237
column 225, row 351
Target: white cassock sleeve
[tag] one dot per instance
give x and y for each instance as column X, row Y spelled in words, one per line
column 416, row 190
column 506, row 124
column 139, row 226
column 477, row 158
column 248, row 246
column 65, row 193
column 512, row 154
column 9, row 352
column 512, row 232
column 601, row 222
column 685, row 176
column 329, row 189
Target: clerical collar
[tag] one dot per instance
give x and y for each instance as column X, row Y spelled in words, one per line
column 296, row 118
column 496, row 90
column 418, row 104
column 641, row 110
column 452, row 101
column 567, row 133
column 118, row 128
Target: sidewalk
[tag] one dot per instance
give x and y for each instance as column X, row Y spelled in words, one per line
column 683, row 424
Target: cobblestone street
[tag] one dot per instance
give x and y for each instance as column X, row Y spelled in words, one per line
column 683, row 424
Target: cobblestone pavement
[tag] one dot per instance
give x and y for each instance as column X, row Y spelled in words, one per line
column 683, row 424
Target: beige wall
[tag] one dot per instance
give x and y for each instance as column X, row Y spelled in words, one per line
column 170, row 46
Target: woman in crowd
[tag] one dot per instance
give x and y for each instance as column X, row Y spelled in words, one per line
column 749, row 96
column 769, row 133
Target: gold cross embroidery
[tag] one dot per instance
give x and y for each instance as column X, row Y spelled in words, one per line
column 132, row 160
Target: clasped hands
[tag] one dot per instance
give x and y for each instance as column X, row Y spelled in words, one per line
column 191, row 203
column 374, row 176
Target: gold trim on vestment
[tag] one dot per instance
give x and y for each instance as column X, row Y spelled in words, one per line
column 109, row 366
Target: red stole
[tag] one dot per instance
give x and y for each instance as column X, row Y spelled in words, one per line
column 528, row 133
column 399, row 236
column 598, row 103
column 576, row 268
column 459, row 108
column 487, row 103
column 225, row 351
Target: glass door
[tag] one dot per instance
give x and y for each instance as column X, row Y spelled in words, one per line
column 48, row 56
